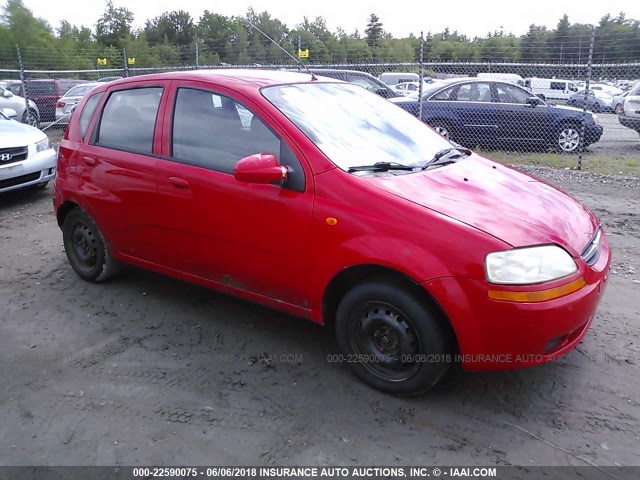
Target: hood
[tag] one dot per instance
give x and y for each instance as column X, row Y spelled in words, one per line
column 566, row 107
column 514, row 207
column 16, row 134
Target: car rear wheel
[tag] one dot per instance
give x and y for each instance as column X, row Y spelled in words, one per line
column 30, row 117
column 392, row 339
column 568, row 138
column 619, row 109
column 86, row 248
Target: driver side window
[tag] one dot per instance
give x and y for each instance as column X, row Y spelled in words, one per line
column 214, row 131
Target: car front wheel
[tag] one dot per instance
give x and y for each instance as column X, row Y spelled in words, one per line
column 568, row 138
column 30, row 117
column 392, row 338
column 86, row 248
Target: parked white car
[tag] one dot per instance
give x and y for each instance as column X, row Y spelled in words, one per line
column 26, row 156
column 610, row 89
column 66, row 104
column 410, row 89
column 17, row 103
column 630, row 117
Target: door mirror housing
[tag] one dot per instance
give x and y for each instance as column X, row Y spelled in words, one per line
column 260, row 168
column 7, row 94
column 9, row 112
column 534, row 101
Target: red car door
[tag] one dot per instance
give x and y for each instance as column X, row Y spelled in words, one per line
column 116, row 167
column 248, row 236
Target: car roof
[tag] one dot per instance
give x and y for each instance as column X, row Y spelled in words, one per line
column 255, row 77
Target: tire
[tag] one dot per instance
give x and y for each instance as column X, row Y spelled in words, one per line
column 402, row 343
column 619, row 110
column 441, row 127
column 86, row 248
column 596, row 108
column 567, row 138
column 30, row 117
column 41, row 186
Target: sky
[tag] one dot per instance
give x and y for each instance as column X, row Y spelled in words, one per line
column 400, row 18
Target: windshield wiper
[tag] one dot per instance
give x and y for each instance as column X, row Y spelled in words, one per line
column 443, row 157
column 381, row 167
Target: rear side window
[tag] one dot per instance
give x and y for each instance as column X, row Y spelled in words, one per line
column 88, row 111
column 129, row 118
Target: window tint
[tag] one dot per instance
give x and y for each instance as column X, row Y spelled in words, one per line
column 42, row 88
column 214, row 131
column 88, row 111
column 558, row 85
column 129, row 118
column 446, row 94
column 511, row 94
column 474, row 92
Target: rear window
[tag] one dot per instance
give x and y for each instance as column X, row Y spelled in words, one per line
column 88, row 111
column 129, row 119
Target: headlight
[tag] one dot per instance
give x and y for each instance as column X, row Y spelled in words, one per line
column 523, row 266
column 43, row 145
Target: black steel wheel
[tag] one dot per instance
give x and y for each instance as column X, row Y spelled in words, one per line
column 86, row 248
column 393, row 338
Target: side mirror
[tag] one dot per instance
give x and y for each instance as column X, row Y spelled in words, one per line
column 260, row 168
column 534, row 101
column 9, row 112
column 7, row 94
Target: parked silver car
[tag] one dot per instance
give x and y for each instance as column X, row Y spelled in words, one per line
column 26, row 156
column 9, row 100
column 66, row 104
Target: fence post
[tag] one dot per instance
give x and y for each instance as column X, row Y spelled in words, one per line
column 124, row 62
column 586, row 94
column 197, row 55
column 23, row 79
column 421, row 75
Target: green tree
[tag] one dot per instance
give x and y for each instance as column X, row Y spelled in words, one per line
column 373, row 31
column 176, row 28
column 113, row 28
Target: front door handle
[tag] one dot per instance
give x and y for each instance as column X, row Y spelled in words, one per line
column 179, row 183
column 91, row 161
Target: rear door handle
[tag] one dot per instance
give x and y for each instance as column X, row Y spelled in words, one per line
column 91, row 161
column 179, row 183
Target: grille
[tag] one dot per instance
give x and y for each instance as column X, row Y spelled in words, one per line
column 12, row 182
column 591, row 252
column 12, row 155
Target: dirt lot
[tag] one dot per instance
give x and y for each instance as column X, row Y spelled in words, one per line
column 148, row 370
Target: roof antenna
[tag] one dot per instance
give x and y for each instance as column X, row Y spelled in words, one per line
column 297, row 60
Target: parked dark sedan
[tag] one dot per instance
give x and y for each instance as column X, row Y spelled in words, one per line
column 476, row 112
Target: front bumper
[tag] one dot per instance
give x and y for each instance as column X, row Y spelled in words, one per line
column 501, row 335
column 592, row 133
column 630, row 122
column 35, row 169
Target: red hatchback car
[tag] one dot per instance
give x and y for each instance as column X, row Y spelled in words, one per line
column 325, row 201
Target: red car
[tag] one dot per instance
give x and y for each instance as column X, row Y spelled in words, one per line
column 325, row 201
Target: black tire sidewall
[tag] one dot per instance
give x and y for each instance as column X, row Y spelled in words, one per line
column 434, row 337
column 75, row 217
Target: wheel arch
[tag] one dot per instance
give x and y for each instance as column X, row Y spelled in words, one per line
column 63, row 211
column 347, row 278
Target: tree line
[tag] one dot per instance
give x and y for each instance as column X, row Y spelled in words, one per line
column 170, row 40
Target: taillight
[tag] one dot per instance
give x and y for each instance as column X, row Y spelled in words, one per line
column 60, row 105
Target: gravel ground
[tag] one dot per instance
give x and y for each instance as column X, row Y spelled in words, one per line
column 148, row 370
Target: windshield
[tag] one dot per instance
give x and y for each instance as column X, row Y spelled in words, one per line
column 354, row 127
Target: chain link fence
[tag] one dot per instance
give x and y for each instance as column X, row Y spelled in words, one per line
column 490, row 103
